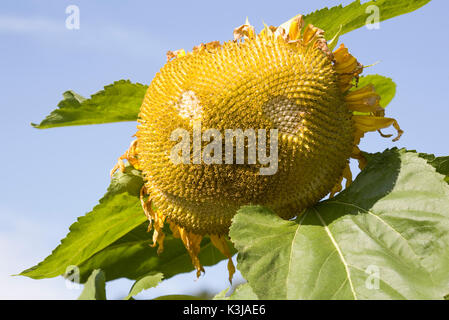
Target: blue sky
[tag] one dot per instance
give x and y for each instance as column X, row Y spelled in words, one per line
column 52, row 176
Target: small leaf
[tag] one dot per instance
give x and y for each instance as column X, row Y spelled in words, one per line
column 118, row 213
column 242, row 292
column 385, row 87
column 119, row 101
column 144, row 283
column 95, row 287
column 177, row 297
column 221, row 295
column 385, row 237
column 355, row 15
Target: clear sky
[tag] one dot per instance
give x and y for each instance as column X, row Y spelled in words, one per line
column 50, row 177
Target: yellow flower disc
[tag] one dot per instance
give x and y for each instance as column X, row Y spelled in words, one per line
column 264, row 82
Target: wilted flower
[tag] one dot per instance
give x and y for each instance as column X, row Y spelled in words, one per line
column 284, row 78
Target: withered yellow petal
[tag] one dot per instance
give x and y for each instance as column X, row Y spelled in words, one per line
column 372, row 123
column 363, row 100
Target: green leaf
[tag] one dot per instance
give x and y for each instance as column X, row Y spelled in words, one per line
column 144, row 283
column 441, row 164
column 355, row 15
column 119, row 101
column 177, row 297
column 95, row 287
column 385, row 237
column 132, row 257
column 242, row 292
column 384, row 86
column 118, row 213
column 221, row 295
column 113, row 237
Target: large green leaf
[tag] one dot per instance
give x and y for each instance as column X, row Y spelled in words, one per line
column 119, row 101
column 132, row 257
column 354, row 15
column 385, row 237
column 113, row 237
column 118, row 213
column 95, row 287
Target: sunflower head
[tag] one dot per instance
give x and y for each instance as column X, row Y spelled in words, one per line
column 286, row 86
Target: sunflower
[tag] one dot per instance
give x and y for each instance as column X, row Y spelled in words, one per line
column 283, row 78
